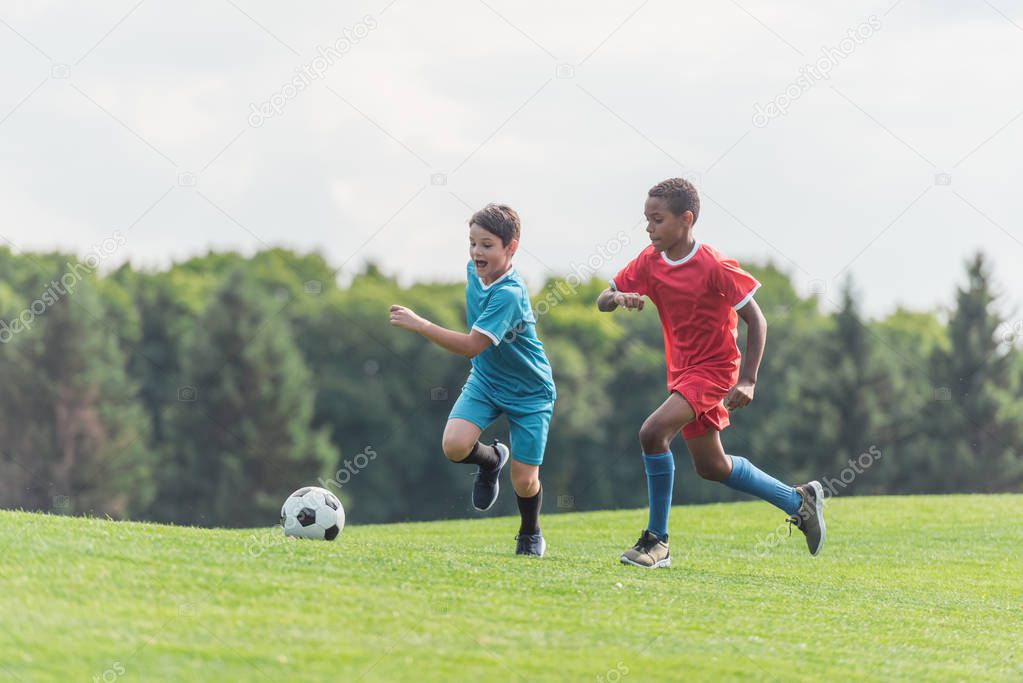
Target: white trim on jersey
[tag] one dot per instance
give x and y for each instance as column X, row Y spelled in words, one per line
column 746, row 299
column 664, row 255
column 506, row 275
column 495, row 340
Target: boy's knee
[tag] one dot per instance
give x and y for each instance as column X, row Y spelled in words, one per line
column 526, row 484
column 456, row 449
column 652, row 437
column 717, row 470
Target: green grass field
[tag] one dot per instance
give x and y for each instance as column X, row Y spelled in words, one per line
column 924, row 588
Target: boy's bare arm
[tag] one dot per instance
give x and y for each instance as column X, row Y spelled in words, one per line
column 756, row 339
column 467, row 345
column 610, row 299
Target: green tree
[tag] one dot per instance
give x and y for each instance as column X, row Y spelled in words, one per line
column 167, row 306
column 73, row 438
column 784, row 426
column 389, row 392
column 242, row 420
column 223, row 382
column 857, row 390
column 974, row 424
column 589, row 451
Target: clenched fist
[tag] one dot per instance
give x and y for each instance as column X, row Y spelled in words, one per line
column 406, row 319
column 740, row 396
column 630, row 301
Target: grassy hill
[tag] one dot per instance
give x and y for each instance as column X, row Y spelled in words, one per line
column 916, row 588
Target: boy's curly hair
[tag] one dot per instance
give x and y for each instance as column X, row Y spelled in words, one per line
column 499, row 219
column 680, row 194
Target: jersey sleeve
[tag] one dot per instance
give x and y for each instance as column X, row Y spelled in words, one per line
column 735, row 284
column 501, row 314
column 633, row 277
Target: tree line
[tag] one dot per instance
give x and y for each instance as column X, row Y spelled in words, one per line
column 204, row 393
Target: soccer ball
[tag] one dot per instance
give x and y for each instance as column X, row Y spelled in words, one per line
column 312, row 512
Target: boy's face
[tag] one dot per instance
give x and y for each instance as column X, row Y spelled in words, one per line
column 665, row 228
column 488, row 253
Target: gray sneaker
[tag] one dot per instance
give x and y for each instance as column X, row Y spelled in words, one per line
column 486, row 486
column 810, row 518
column 650, row 552
column 530, row 544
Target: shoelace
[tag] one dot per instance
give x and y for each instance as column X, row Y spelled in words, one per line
column 646, row 543
column 793, row 521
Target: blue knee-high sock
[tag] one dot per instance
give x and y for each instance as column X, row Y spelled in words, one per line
column 660, row 477
column 746, row 477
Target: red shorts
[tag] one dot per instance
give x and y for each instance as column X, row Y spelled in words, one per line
column 705, row 392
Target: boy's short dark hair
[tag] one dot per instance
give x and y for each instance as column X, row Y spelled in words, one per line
column 499, row 219
column 680, row 194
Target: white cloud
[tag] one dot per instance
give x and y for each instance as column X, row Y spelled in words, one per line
column 670, row 86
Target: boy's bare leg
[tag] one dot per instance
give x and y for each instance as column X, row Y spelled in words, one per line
column 460, row 437
column 664, row 423
column 525, row 479
column 709, row 458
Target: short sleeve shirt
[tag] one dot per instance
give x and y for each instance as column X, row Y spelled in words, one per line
column 697, row 298
column 515, row 367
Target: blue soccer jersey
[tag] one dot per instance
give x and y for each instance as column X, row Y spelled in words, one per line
column 514, row 368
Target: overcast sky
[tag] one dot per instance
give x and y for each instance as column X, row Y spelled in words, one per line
column 147, row 118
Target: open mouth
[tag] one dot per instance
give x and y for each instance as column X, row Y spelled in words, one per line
column 480, row 265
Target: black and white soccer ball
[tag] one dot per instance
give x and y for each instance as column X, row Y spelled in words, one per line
column 312, row 512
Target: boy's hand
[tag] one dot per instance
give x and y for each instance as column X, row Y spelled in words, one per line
column 406, row 319
column 628, row 300
column 740, row 395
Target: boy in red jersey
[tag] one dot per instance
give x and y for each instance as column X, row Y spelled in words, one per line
column 699, row 295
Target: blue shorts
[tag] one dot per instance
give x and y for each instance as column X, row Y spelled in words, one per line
column 528, row 426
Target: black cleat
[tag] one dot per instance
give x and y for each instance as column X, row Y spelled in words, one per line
column 530, row 544
column 486, row 487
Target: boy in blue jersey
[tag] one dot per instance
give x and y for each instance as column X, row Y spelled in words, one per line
column 510, row 373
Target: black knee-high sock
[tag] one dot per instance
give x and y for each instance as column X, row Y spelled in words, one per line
column 484, row 456
column 529, row 509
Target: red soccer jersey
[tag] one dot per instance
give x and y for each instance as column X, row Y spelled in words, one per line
column 697, row 298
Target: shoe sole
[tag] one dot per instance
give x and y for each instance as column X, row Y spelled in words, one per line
column 818, row 491
column 505, row 457
column 666, row 562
